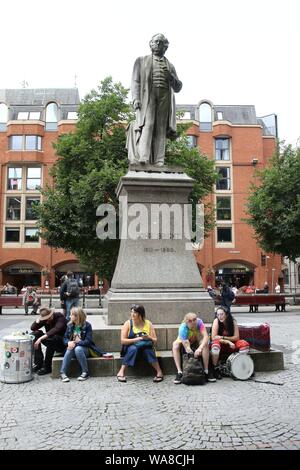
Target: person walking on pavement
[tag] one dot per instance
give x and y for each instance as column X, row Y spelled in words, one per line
column 55, row 325
column 227, row 296
column 69, row 292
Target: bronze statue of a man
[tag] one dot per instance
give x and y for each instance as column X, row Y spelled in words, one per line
column 154, row 81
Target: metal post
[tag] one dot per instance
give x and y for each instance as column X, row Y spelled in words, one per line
column 100, row 285
column 273, row 272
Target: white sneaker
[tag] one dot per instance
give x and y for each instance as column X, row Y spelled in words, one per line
column 83, row 376
column 64, row 378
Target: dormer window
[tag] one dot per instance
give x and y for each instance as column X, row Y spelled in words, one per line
column 29, row 115
column 51, row 117
column 3, row 117
column 205, row 113
column 72, row 115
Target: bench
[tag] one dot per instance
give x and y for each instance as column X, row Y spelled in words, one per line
column 11, row 301
column 254, row 300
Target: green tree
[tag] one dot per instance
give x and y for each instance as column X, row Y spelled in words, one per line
column 274, row 204
column 90, row 163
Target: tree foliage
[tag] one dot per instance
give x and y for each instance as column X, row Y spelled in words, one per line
column 274, row 204
column 90, row 163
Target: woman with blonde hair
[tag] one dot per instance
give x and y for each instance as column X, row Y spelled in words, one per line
column 78, row 340
column 192, row 339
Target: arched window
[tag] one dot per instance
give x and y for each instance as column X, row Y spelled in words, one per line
column 51, row 117
column 3, row 116
column 205, row 113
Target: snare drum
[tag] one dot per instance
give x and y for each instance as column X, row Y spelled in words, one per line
column 240, row 366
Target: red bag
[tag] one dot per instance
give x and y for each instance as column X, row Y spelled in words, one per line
column 30, row 298
column 257, row 335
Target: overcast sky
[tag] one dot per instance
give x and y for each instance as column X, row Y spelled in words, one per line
column 227, row 51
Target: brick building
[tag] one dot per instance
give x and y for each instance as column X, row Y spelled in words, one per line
column 30, row 121
column 239, row 142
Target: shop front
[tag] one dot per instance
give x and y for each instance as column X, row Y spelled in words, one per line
column 22, row 274
column 84, row 278
column 234, row 274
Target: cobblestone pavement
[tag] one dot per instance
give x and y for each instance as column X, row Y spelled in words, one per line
column 104, row 414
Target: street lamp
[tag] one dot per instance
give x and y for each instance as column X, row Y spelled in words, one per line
column 100, row 285
column 266, row 273
column 273, row 273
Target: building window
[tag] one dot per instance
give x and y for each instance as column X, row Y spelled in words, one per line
column 16, row 142
column 72, row 115
column 14, row 181
column 13, row 208
column 192, row 141
column 185, row 115
column 31, row 203
column 31, row 115
column 205, row 113
column 223, row 208
column 286, row 276
column 224, row 234
column 3, row 117
column 219, row 115
column 21, row 199
column 12, row 234
column 25, row 142
column 51, row 117
column 33, row 142
column 222, row 149
column 299, row 274
column 33, row 178
column 223, row 183
column 31, row 235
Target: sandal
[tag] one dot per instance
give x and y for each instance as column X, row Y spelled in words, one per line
column 158, row 378
column 121, row 378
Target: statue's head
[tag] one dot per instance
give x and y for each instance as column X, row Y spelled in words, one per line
column 159, row 44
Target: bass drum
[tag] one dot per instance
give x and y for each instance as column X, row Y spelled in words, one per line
column 240, row 366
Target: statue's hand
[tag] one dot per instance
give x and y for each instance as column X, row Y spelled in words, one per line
column 136, row 104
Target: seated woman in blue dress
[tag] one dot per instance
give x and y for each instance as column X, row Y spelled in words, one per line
column 138, row 336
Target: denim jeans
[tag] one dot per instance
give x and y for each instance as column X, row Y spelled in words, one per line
column 73, row 302
column 80, row 353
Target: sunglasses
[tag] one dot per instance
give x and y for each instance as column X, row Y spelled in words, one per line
column 134, row 307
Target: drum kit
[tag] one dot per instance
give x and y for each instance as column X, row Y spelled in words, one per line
column 239, row 366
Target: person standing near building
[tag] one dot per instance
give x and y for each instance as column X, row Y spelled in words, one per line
column 70, row 293
column 227, row 296
column 266, row 288
column 154, row 81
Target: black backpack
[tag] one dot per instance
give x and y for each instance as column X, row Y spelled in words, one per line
column 231, row 295
column 192, row 371
column 72, row 288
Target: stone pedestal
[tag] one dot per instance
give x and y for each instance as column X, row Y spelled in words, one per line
column 159, row 273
